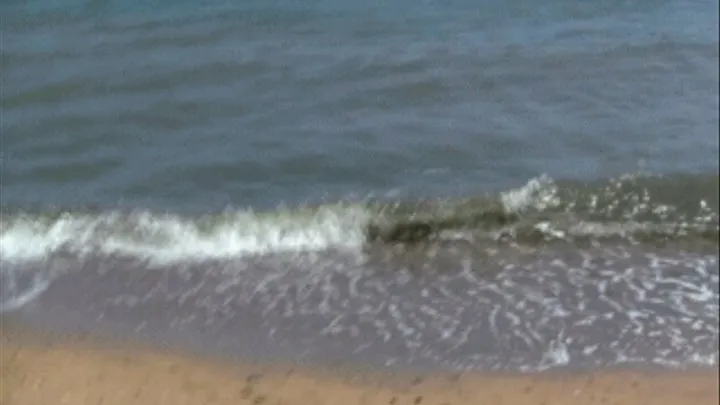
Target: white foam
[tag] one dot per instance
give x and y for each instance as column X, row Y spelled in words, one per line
column 556, row 354
column 169, row 238
column 538, row 193
column 12, row 298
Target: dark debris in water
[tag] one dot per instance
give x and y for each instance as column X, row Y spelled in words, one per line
column 400, row 233
column 419, row 230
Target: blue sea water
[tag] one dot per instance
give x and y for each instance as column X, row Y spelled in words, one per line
column 493, row 185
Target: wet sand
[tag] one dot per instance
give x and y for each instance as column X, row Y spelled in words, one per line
column 73, row 370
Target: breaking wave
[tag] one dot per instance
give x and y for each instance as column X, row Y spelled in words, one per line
column 630, row 209
column 646, row 210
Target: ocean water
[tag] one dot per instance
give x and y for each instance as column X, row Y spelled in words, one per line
column 485, row 185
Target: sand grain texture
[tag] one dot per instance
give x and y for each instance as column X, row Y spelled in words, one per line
column 83, row 374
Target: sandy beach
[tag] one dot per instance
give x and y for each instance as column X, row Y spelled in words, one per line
column 80, row 371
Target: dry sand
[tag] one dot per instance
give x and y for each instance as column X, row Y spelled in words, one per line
column 77, row 372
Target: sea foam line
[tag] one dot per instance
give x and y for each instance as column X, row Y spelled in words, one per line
column 168, row 238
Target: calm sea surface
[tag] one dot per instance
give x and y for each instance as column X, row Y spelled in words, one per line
column 506, row 185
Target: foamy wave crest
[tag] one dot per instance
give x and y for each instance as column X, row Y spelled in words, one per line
column 168, row 237
column 630, row 209
column 539, row 193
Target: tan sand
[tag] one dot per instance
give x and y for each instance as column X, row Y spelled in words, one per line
column 81, row 373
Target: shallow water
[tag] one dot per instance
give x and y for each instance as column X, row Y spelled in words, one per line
column 456, row 307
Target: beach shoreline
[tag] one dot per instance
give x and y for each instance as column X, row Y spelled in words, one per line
column 42, row 368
